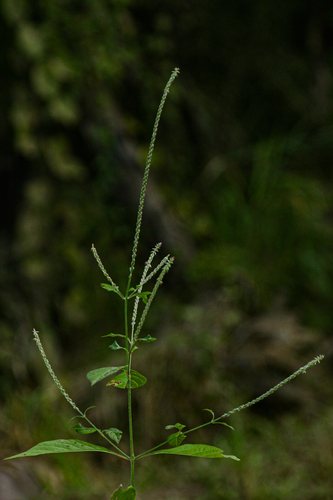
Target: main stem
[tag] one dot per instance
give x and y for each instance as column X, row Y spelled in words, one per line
column 129, row 386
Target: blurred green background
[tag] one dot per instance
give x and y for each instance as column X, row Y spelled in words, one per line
column 241, row 192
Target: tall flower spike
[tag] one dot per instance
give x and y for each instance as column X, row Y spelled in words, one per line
column 146, row 173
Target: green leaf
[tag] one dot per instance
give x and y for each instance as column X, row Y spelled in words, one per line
column 114, row 434
column 176, row 439
column 121, row 494
column 176, row 426
column 213, row 419
column 61, row 446
column 100, row 373
column 143, row 296
column 210, row 411
column 121, row 380
column 114, row 335
column 83, row 430
column 195, row 450
column 149, row 338
column 111, row 288
column 223, row 423
column 115, row 346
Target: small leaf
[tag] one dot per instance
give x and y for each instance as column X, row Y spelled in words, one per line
column 176, row 426
column 232, row 457
column 121, row 494
column 149, row 338
column 85, row 411
column 116, row 347
column 61, row 446
column 113, row 335
column 210, row 411
column 176, row 439
column 114, row 434
column 111, row 288
column 83, row 430
column 223, row 423
column 195, row 450
column 143, row 296
column 121, row 380
column 100, row 373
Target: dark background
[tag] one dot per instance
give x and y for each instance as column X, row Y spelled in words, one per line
column 240, row 192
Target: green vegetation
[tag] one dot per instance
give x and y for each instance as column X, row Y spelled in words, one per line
column 128, row 378
column 240, row 194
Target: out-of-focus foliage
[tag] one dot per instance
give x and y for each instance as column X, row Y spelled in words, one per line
column 241, row 192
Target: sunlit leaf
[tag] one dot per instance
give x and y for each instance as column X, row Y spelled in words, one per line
column 101, row 373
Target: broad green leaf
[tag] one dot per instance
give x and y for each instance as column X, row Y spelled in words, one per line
column 121, row 494
column 149, row 338
column 176, row 439
column 100, row 373
column 195, row 450
column 83, row 430
column 115, row 346
column 61, row 446
column 121, row 380
column 114, row 434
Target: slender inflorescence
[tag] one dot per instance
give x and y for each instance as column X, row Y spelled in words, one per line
column 165, row 269
column 301, row 370
column 144, row 280
column 157, row 268
column 147, row 168
column 51, row 372
column 102, row 268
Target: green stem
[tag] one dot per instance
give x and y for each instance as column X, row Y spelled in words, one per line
column 129, row 384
